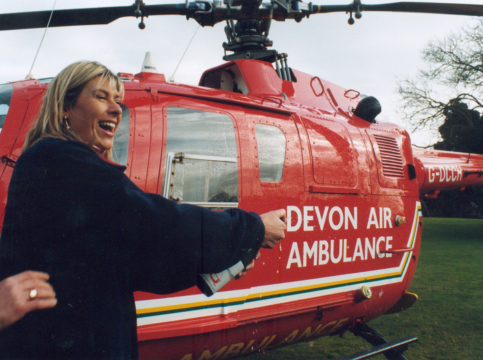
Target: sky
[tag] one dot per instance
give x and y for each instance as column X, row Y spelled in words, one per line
column 369, row 56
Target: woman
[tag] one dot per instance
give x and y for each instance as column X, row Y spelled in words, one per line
column 73, row 214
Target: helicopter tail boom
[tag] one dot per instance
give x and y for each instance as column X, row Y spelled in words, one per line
column 444, row 170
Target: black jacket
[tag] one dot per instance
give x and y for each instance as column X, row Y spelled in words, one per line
column 79, row 218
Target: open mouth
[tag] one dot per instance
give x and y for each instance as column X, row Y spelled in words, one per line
column 107, row 126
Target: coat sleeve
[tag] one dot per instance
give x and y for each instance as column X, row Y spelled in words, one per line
column 90, row 204
column 180, row 241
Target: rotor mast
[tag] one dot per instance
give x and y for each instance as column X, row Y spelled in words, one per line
column 248, row 37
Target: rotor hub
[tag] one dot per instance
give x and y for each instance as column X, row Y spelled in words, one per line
column 247, row 39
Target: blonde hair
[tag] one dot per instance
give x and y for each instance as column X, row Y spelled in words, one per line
column 61, row 95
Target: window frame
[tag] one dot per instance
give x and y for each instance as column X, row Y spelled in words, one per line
column 233, row 113
column 170, row 172
column 282, row 169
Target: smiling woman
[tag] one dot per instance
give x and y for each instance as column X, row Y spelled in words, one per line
column 76, row 217
column 96, row 114
column 83, row 103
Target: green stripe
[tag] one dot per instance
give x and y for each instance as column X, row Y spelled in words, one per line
column 203, row 307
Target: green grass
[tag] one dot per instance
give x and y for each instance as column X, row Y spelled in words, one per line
column 447, row 319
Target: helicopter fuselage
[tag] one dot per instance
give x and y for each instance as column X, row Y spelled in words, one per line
column 246, row 138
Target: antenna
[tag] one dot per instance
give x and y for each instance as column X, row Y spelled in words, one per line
column 171, row 79
column 30, row 76
column 149, row 65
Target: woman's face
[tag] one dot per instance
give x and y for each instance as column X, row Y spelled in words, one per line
column 96, row 114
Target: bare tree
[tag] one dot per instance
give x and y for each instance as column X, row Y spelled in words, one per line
column 454, row 73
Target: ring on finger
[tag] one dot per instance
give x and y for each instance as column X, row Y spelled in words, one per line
column 33, row 294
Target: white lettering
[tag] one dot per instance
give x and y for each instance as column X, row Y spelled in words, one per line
column 294, row 257
column 338, row 217
column 387, row 218
column 358, row 250
column 296, row 210
column 332, row 258
column 388, row 245
column 323, row 252
column 321, row 220
column 372, row 219
column 309, row 252
column 431, row 174
column 380, row 240
column 372, row 249
column 331, row 218
column 449, row 173
column 346, row 259
column 352, row 218
column 308, row 218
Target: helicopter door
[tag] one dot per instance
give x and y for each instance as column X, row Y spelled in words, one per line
column 201, row 165
column 272, row 175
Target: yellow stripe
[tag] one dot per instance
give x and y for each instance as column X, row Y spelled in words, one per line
column 182, row 306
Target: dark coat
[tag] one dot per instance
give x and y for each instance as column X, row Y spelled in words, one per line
column 78, row 218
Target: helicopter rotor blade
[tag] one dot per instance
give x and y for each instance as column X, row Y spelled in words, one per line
column 413, row 7
column 206, row 13
column 92, row 16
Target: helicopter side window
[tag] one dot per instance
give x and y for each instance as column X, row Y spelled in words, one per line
column 121, row 139
column 201, row 159
column 5, row 96
column 271, row 145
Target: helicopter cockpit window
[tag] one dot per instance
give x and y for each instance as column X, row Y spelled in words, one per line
column 5, row 96
column 271, row 145
column 121, row 139
column 201, row 159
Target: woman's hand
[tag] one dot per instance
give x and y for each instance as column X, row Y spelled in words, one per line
column 22, row 293
column 275, row 227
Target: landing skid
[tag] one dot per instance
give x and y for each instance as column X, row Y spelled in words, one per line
column 392, row 350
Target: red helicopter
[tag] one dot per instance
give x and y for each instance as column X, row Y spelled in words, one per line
column 258, row 135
